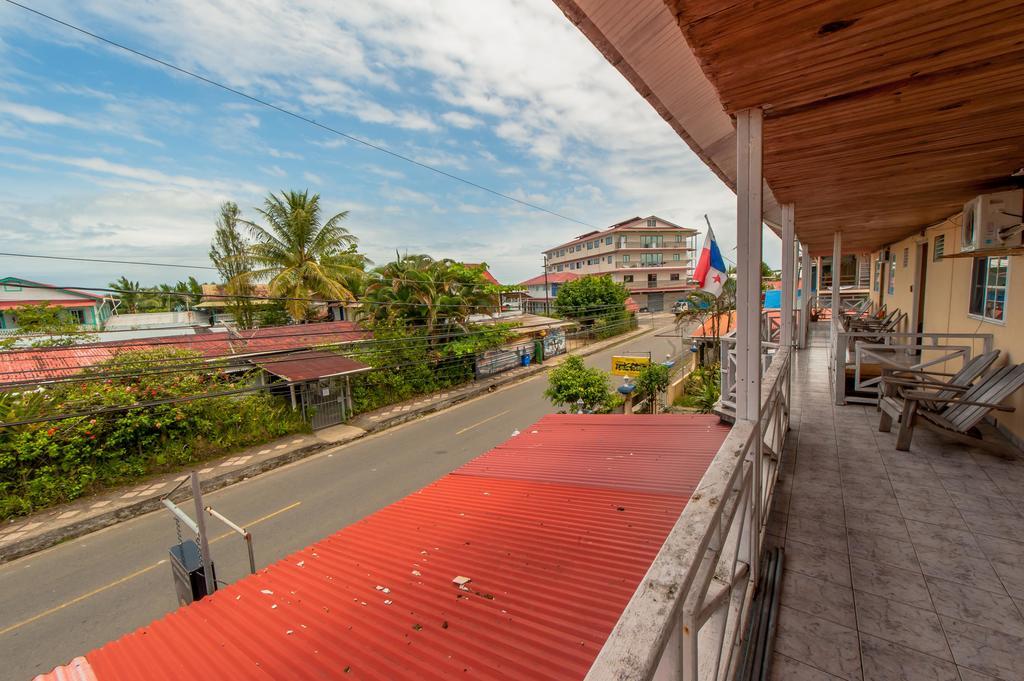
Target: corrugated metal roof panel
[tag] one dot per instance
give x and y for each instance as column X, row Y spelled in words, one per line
column 308, row 366
column 664, row 453
column 552, row 566
column 38, row 364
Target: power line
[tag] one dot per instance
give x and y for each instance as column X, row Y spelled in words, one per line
column 371, row 275
column 226, row 296
column 293, row 114
column 356, row 347
column 103, row 260
column 191, row 398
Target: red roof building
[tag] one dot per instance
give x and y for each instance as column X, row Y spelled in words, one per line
column 41, row 364
column 551, row 531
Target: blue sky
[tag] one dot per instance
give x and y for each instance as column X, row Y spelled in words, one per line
column 104, row 155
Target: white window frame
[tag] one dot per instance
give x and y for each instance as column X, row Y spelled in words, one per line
column 652, row 222
column 1006, row 292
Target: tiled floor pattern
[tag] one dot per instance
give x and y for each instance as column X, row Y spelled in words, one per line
column 899, row 565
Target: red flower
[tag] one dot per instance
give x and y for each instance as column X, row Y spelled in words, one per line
column 51, row 431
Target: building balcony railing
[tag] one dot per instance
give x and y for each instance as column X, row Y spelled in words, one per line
column 687, row 617
column 629, row 264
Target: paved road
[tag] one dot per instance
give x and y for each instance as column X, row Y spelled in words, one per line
column 69, row 599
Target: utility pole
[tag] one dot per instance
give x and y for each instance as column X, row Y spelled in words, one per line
column 547, row 289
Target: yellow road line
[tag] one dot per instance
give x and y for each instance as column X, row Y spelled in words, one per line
column 133, row 575
column 259, row 520
column 81, row 598
column 480, row 423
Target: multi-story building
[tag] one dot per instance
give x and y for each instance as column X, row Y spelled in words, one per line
column 652, row 257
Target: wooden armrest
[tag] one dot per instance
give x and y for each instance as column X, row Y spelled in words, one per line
column 915, row 383
column 923, row 371
column 930, row 397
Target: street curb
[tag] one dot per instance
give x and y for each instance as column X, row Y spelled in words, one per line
column 29, row 545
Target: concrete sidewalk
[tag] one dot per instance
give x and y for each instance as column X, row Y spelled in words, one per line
column 23, row 536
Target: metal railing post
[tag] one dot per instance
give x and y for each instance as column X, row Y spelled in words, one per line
column 204, row 542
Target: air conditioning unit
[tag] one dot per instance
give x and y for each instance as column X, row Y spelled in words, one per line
column 989, row 220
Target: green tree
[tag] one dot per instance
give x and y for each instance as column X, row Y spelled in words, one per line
column 572, row 381
column 436, row 297
column 229, row 253
column 48, row 325
column 651, row 382
column 592, row 297
column 297, row 252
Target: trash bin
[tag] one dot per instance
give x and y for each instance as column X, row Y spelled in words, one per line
column 526, row 359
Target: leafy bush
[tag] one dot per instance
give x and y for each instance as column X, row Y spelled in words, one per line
column 408, row 365
column 651, row 382
column 53, row 462
column 572, row 381
column 702, row 389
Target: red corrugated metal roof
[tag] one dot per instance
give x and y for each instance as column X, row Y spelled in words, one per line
column 48, row 363
column 552, row 278
column 307, row 366
column 607, row 451
column 555, row 547
column 15, row 304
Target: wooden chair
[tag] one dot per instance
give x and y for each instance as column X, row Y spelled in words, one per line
column 946, row 384
column 959, row 416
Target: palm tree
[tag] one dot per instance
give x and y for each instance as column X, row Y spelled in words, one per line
column 296, row 254
column 436, row 297
column 129, row 293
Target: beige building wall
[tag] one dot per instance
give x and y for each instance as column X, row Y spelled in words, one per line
column 946, row 308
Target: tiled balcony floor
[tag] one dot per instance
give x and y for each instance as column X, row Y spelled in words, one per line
column 899, row 565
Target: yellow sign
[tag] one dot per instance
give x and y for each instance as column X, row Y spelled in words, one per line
column 627, row 365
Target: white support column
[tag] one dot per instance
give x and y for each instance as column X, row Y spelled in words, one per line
column 837, row 256
column 788, row 272
column 805, row 311
column 748, row 264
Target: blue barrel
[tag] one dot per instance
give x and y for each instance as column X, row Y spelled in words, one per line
column 526, row 359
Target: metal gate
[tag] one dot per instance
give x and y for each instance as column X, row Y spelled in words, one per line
column 655, row 302
column 323, row 402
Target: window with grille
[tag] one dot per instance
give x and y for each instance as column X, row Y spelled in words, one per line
column 651, row 222
column 906, row 257
column 939, row 248
column 892, row 274
column 988, row 287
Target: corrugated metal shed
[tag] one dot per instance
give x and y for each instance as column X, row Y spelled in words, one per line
column 555, row 528
column 309, row 366
column 38, row 364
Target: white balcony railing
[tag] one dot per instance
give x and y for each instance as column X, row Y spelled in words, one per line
column 771, row 332
column 867, row 353
column 686, row 619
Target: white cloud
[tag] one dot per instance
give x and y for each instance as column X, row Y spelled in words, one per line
column 274, row 171
column 461, row 120
column 312, row 178
column 605, row 153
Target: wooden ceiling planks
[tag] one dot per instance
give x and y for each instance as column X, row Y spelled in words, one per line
column 808, row 51
column 882, row 117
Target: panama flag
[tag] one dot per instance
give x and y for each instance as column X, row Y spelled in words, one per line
column 710, row 272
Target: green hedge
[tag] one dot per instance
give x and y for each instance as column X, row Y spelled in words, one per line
column 57, row 461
